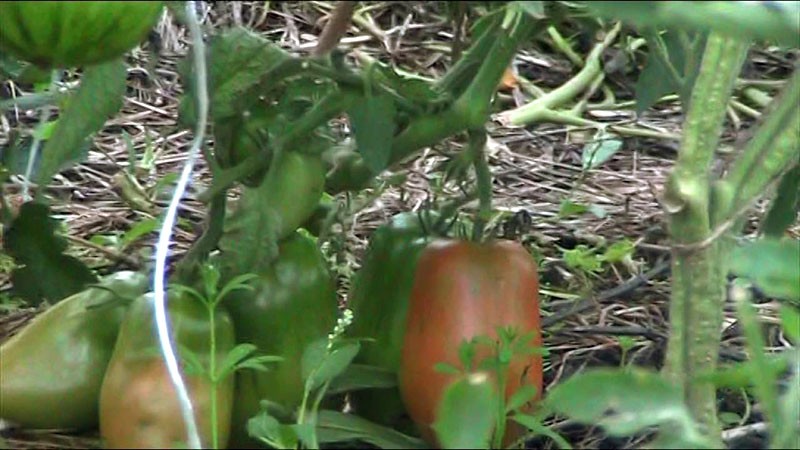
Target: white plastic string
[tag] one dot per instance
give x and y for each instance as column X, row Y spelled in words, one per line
column 162, row 248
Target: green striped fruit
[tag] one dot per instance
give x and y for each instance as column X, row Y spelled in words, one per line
column 72, row 34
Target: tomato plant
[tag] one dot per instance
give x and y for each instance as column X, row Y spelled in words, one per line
column 51, row 372
column 138, row 404
column 463, row 290
column 71, row 34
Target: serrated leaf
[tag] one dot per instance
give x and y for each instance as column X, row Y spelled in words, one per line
column 250, row 238
column 466, row 415
column 373, row 122
column 360, row 376
column 32, row 241
column 237, row 60
column 98, row 98
column 771, row 264
column 337, row 427
column 783, row 210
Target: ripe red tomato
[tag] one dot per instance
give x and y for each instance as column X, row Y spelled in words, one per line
column 464, row 290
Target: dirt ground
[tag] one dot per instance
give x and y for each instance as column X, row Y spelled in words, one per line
column 535, row 169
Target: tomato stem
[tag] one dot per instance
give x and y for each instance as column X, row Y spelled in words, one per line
column 483, row 178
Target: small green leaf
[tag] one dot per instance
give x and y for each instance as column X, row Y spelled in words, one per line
column 267, row 429
column 373, row 122
column 521, row 397
column 192, row 365
column 337, row 427
column 569, row 208
column 334, row 364
column 258, row 363
column 583, row 258
column 233, row 358
column 466, row 416
column 139, row 229
column 536, row 426
column 619, row 251
column 600, row 150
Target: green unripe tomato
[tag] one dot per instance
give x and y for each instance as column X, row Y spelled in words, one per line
column 72, row 34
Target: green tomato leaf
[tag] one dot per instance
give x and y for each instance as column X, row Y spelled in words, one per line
column 783, row 211
column 39, row 253
column 466, row 415
column 771, row 264
column 238, row 60
column 98, row 98
column 622, row 402
column 359, row 376
column 747, row 373
column 373, row 122
column 337, row 427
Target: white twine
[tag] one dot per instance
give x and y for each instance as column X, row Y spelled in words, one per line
column 162, row 248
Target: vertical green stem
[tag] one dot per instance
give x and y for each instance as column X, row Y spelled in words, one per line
column 698, row 258
column 212, row 368
column 483, row 178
